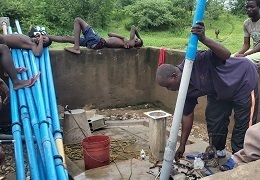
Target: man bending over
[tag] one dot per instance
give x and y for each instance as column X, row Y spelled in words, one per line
column 94, row 41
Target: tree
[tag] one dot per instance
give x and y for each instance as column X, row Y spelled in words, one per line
column 237, row 7
column 214, row 9
column 158, row 14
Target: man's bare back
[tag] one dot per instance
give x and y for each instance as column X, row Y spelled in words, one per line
column 18, row 41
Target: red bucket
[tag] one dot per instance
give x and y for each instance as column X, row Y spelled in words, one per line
column 96, row 151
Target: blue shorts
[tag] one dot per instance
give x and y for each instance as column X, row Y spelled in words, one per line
column 91, row 39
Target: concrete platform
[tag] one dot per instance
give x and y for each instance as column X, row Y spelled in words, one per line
column 131, row 168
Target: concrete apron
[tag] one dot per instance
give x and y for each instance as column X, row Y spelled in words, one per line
column 134, row 168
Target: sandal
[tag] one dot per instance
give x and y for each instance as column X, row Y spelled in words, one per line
column 227, row 165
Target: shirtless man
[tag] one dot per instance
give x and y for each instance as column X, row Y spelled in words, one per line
column 8, row 65
column 94, row 41
column 20, row 41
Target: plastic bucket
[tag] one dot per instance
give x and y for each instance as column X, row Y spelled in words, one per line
column 96, row 151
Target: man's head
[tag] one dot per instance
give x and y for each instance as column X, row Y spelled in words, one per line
column 169, row 76
column 138, row 42
column 252, row 8
column 46, row 40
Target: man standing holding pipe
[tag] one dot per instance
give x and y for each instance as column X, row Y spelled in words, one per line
column 229, row 82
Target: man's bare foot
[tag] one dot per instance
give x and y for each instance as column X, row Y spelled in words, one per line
column 26, row 83
column 72, row 50
column 18, row 71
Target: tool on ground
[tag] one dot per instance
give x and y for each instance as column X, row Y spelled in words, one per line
column 210, row 156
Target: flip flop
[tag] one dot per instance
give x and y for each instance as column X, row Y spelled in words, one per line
column 230, row 164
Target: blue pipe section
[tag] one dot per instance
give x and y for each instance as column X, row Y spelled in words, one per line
column 61, row 171
column 34, row 170
column 37, row 93
column 53, row 103
column 31, row 105
column 45, row 90
column 16, row 130
column 46, row 142
column 57, row 133
column 47, row 146
column 193, row 42
column 57, row 158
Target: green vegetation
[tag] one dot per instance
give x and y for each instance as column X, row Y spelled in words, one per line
column 162, row 23
column 230, row 26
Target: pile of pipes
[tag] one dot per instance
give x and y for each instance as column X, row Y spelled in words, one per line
column 35, row 115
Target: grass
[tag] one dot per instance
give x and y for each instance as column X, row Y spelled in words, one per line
column 231, row 34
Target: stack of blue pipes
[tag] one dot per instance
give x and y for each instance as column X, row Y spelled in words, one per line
column 35, row 115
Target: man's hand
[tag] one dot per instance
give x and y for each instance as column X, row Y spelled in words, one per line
column 257, row 64
column 179, row 153
column 126, row 43
column 7, row 97
column 199, row 30
column 40, row 37
column 239, row 55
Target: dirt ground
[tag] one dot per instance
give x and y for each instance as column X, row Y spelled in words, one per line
column 199, row 130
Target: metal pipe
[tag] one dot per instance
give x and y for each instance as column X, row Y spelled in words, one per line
column 189, row 59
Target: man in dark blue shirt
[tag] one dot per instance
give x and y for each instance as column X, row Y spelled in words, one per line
column 229, row 83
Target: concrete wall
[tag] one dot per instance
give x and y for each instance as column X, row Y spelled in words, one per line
column 104, row 78
column 113, row 77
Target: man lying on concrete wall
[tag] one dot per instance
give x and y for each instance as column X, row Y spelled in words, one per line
column 94, row 41
column 21, row 41
column 230, row 83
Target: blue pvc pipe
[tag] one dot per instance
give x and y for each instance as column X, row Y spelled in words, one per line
column 52, row 96
column 53, row 104
column 16, row 130
column 182, row 93
column 47, row 146
column 31, row 105
column 193, row 43
column 34, row 170
column 57, row 158
column 45, row 91
column 38, row 97
column 60, row 169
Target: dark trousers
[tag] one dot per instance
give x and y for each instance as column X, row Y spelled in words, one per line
column 217, row 118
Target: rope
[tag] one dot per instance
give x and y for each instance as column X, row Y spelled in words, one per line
column 118, row 150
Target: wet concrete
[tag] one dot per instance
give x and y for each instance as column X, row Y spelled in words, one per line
column 135, row 168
